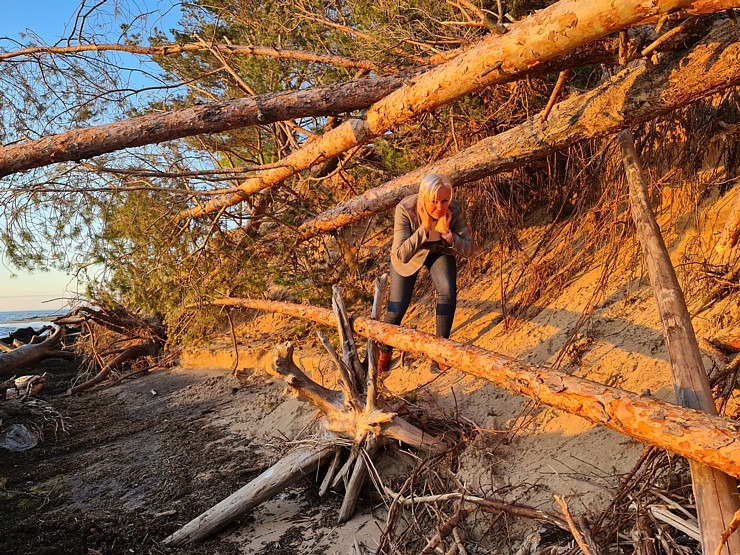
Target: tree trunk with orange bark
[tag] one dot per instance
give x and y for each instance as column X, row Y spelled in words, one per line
column 554, row 31
column 635, row 95
column 711, row 440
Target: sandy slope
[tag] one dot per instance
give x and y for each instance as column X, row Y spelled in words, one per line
column 144, row 457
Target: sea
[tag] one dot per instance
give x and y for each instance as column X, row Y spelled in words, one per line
column 12, row 320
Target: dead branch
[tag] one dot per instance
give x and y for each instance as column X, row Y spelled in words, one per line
column 346, row 416
column 173, row 49
column 485, row 503
column 588, row 547
column 130, row 353
column 562, row 79
column 446, row 529
column 715, row 292
column 733, row 526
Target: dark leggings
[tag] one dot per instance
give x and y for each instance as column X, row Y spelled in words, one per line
column 443, row 270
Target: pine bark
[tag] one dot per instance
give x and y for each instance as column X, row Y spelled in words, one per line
column 79, row 144
column 710, row 440
column 84, row 143
column 635, row 95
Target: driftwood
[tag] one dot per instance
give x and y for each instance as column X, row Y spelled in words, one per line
column 26, row 355
column 711, row 440
column 355, row 415
column 715, row 492
column 272, row 481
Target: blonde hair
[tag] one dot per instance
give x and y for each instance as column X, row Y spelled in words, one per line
column 433, row 182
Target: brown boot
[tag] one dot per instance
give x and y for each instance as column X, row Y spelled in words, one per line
column 384, row 362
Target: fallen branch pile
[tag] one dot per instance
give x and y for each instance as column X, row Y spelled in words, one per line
column 114, row 339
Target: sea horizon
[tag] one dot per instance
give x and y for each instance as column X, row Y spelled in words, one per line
column 13, row 320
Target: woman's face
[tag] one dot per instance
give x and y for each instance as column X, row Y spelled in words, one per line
column 438, row 203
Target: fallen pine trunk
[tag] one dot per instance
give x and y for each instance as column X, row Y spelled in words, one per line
column 635, row 95
column 26, row 355
column 711, row 440
column 79, row 144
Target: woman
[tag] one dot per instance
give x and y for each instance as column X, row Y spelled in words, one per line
column 429, row 229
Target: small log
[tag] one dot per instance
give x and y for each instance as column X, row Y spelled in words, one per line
column 715, row 492
column 272, row 481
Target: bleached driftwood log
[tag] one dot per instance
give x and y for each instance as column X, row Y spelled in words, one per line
column 272, row 481
column 715, row 492
column 29, row 354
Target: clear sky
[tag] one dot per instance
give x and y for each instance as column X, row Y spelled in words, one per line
column 51, row 20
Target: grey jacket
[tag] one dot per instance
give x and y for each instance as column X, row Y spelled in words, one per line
column 410, row 247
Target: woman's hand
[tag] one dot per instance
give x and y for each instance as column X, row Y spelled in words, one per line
column 443, row 224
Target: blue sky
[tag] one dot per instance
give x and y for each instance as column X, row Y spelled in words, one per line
column 51, row 20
